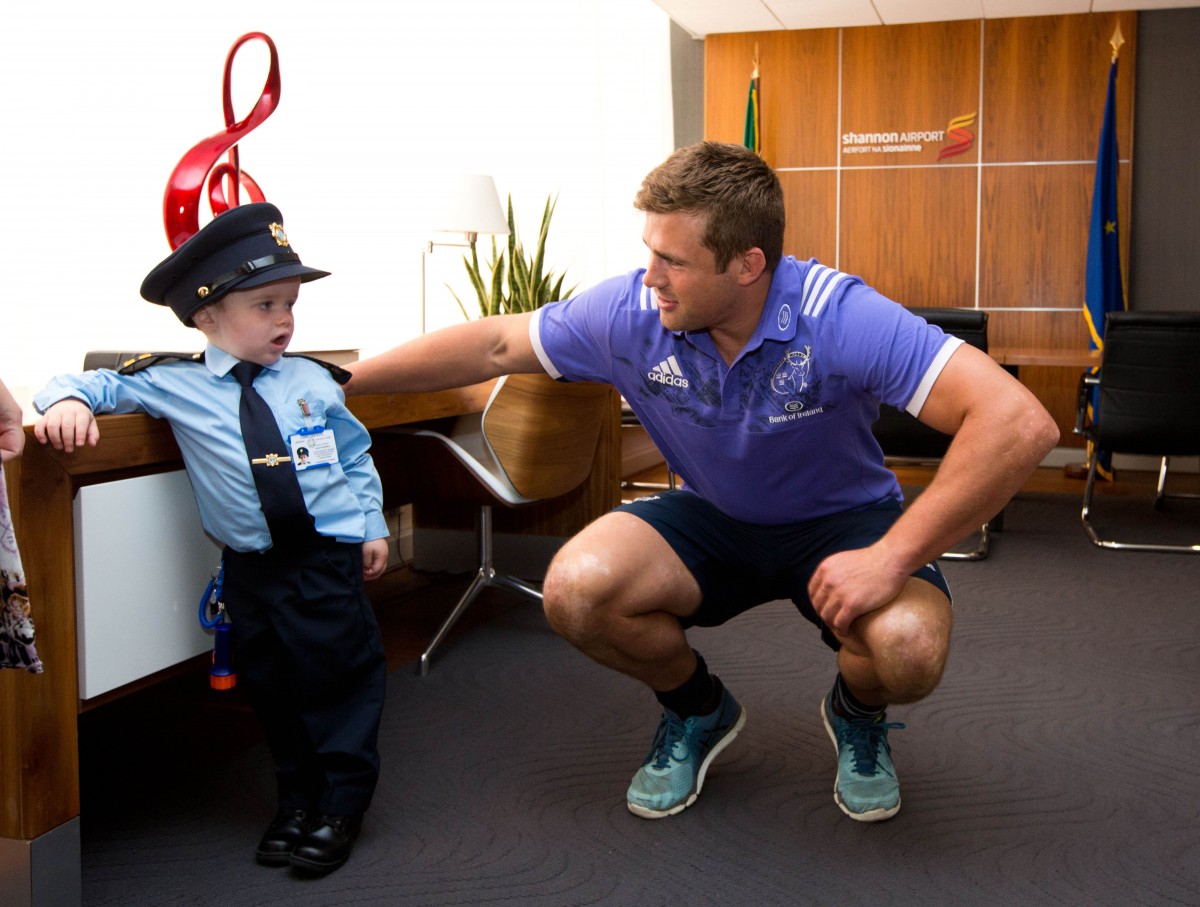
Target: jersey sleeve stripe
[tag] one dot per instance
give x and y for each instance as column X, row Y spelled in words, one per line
column 819, row 286
column 535, row 337
column 931, row 375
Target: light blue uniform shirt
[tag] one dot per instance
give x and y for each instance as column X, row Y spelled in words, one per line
column 200, row 401
column 784, row 433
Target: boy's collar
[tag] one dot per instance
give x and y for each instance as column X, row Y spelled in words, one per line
column 221, row 362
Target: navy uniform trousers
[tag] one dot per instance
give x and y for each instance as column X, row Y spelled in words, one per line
column 311, row 657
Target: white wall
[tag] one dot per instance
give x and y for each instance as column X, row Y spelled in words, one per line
column 378, row 100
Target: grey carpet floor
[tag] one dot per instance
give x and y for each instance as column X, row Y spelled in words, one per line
column 1056, row 764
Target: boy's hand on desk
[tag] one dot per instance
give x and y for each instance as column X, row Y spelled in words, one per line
column 375, row 558
column 66, row 425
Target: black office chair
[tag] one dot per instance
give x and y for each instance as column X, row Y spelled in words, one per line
column 1148, row 403
column 904, row 438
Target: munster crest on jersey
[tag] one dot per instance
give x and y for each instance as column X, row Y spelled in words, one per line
column 792, row 378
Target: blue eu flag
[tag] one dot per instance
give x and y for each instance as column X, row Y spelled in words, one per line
column 1105, row 290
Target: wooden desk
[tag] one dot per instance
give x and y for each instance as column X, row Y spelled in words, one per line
column 1017, row 356
column 39, row 747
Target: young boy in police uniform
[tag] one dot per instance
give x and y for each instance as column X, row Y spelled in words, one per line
column 309, row 649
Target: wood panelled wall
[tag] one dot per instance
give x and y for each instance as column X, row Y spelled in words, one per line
column 1002, row 226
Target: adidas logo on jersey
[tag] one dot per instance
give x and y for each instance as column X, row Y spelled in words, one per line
column 668, row 372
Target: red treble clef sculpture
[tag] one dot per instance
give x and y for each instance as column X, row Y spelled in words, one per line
column 181, row 202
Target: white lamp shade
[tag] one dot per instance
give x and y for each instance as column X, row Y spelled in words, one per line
column 471, row 205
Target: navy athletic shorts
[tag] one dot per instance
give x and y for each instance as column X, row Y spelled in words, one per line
column 739, row 565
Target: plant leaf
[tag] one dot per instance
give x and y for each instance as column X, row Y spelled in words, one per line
column 515, row 281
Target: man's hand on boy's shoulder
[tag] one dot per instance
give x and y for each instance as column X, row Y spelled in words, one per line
column 68, row 424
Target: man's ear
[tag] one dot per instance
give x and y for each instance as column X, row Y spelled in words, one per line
column 753, row 266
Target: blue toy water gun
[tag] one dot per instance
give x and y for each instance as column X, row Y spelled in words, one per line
column 221, row 676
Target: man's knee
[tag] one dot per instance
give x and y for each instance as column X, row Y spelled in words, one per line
column 914, row 659
column 617, row 570
column 908, row 648
column 573, row 592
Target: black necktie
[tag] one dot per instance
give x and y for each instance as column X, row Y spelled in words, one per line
column 270, row 460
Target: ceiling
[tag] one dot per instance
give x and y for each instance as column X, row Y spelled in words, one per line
column 703, row 17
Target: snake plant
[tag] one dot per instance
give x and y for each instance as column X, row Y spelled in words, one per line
column 513, row 280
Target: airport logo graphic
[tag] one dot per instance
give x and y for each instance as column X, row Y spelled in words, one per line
column 956, row 136
column 961, row 137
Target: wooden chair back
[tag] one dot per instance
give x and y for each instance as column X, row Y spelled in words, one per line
column 544, row 432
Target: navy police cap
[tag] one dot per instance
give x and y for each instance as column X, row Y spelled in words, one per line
column 242, row 248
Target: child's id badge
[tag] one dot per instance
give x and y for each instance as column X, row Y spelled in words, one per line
column 313, row 447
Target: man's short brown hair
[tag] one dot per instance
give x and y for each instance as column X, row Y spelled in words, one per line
column 735, row 191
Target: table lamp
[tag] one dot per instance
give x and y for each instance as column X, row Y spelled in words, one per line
column 470, row 207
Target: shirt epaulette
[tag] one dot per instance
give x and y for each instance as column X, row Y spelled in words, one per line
column 340, row 375
column 145, row 360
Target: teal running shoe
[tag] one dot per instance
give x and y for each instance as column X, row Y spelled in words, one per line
column 670, row 779
column 866, row 787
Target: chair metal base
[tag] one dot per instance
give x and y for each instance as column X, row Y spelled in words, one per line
column 669, row 485
column 485, row 576
column 995, row 524
column 1159, row 497
column 978, row 553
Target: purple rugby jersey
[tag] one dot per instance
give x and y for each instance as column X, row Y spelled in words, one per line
column 782, row 435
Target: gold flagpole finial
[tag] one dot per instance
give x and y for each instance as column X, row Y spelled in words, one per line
column 1116, row 41
column 756, row 59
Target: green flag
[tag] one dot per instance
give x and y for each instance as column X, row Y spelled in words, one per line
column 751, row 137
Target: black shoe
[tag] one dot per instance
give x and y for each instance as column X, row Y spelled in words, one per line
column 328, row 846
column 283, row 834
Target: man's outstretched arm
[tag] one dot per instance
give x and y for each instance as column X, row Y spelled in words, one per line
column 452, row 357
